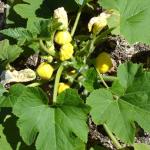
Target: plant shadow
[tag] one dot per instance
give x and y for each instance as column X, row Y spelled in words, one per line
column 11, row 132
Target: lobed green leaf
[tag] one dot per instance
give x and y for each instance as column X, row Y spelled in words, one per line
column 8, row 99
column 134, row 18
column 27, row 10
column 131, row 105
column 9, row 53
column 53, row 127
column 141, row 146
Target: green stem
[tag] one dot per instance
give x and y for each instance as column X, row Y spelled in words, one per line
column 109, row 78
column 76, row 21
column 92, row 47
column 103, row 81
column 41, row 38
column 9, row 67
column 57, row 79
column 90, row 6
column 52, row 53
column 34, row 84
column 112, row 137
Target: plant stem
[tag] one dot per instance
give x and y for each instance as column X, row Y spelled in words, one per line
column 76, row 21
column 34, row 84
column 52, row 53
column 57, row 79
column 103, row 81
column 112, row 137
column 109, row 78
column 9, row 67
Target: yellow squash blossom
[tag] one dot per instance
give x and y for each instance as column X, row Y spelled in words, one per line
column 96, row 24
column 61, row 15
column 66, row 52
column 62, row 87
column 103, row 62
column 45, row 71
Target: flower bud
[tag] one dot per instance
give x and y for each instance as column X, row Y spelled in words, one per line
column 66, row 52
column 45, row 71
column 61, row 15
column 103, row 62
column 62, row 87
column 63, row 37
column 48, row 58
column 96, row 24
column 50, row 45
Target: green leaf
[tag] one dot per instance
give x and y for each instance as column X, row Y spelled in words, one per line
column 35, row 46
column 3, row 141
column 28, row 10
column 42, row 29
column 81, row 2
column 17, row 32
column 20, row 34
column 9, row 98
column 84, row 49
column 45, row 10
column 97, row 147
column 120, row 111
column 2, row 90
column 46, row 28
column 112, row 112
column 9, row 130
column 134, row 18
column 117, row 88
column 64, row 125
column 127, row 73
column 141, row 146
column 90, row 81
column 114, row 22
column 9, row 53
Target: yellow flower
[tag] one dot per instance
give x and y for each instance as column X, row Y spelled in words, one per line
column 66, row 52
column 96, row 24
column 103, row 62
column 45, row 71
column 62, row 87
column 63, row 37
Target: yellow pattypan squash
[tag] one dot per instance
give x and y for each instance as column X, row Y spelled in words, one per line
column 103, row 62
column 45, row 71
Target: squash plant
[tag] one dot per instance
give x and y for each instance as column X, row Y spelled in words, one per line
column 74, row 73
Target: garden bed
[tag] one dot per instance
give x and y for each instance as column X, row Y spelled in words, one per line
column 76, row 79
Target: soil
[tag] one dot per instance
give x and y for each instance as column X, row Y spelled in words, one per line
column 97, row 136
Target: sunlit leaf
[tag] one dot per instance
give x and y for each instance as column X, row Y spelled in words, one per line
column 64, row 125
column 9, row 53
column 134, row 18
column 120, row 111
